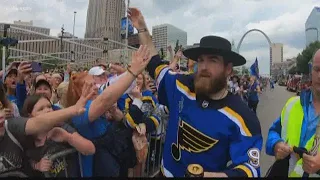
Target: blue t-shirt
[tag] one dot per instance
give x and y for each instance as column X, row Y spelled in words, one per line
column 253, row 95
column 89, row 130
column 12, row 98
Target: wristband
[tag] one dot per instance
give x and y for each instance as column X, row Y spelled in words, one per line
column 142, row 30
column 131, row 73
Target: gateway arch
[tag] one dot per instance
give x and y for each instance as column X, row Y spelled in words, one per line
column 264, row 34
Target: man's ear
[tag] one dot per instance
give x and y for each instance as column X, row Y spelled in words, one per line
column 229, row 69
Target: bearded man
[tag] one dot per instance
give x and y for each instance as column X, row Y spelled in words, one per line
column 207, row 125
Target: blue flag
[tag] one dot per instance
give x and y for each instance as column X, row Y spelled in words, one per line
column 254, row 69
column 310, row 66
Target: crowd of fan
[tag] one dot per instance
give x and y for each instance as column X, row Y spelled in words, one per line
column 249, row 88
column 43, row 114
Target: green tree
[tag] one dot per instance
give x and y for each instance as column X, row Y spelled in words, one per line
column 304, row 58
column 245, row 70
column 293, row 70
column 235, row 72
column 162, row 54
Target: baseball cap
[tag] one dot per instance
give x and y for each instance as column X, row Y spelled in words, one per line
column 42, row 82
column 96, row 71
column 11, row 71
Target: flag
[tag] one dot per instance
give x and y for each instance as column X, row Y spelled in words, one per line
column 254, row 68
column 310, row 66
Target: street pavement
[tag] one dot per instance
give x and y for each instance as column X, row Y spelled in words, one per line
column 269, row 109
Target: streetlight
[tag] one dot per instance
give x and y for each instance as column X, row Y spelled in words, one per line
column 127, row 31
column 314, row 28
column 73, row 46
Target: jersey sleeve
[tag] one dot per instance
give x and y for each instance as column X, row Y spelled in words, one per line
column 245, row 145
column 273, row 136
column 165, row 80
column 83, row 119
column 121, row 102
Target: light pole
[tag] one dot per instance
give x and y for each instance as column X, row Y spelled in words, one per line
column 314, row 28
column 127, row 31
column 73, row 46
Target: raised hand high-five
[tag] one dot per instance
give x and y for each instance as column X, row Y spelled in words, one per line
column 136, row 18
column 140, row 60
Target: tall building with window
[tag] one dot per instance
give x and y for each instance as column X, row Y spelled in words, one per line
column 276, row 53
column 104, row 19
column 312, row 26
column 167, row 35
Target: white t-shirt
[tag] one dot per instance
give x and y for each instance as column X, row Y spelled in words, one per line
column 114, row 79
column 234, row 87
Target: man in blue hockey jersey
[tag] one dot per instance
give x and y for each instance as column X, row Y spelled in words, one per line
column 207, row 125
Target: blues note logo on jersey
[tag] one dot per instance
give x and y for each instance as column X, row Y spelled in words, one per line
column 191, row 140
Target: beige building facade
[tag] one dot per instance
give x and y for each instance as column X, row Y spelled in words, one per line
column 104, row 20
column 276, row 53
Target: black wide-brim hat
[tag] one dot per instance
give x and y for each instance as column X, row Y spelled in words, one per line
column 217, row 46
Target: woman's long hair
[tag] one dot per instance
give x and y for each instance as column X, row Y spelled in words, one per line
column 144, row 82
column 5, row 103
column 29, row 104
column 62, row 94
column 76, row 83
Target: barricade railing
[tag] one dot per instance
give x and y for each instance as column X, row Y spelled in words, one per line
column 18, row 174
column 62, row 154
column 151, row 168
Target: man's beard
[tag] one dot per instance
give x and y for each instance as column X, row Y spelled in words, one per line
column 206, row 85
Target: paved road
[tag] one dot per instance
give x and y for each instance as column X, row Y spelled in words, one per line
column 269, row 109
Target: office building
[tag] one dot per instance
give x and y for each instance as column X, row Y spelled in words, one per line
column 312, row 26
column 276, row 53
column 104, row 19
column 23, row 23
column 167, row 35
column 134, row 41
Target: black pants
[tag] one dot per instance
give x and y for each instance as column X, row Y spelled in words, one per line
column 253, row 105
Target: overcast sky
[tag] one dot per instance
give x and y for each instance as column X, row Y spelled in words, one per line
column 283, row 21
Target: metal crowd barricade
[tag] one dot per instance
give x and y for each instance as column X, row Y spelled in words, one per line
column 63, row 154
column 151, row 168
column 13, row 174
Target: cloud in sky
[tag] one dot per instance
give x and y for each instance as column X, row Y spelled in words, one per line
column 283, row 21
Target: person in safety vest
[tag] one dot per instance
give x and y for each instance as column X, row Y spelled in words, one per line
column 296, row 127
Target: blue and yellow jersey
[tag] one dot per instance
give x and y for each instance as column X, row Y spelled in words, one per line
column 220, row 135
column 135, row 115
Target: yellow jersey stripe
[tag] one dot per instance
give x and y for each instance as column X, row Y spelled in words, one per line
column 239, row 119
column 159, row 69
column 155, row 121
column 185, row 88
column 245, row 169
column 130, row 120
column 149, row 98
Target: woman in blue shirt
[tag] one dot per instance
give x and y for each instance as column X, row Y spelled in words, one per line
column 92, row 124
column 253, row 98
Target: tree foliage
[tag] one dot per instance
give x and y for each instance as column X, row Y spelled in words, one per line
column 293, row 70
column 245, row 70
column 306, row 56
column 162, row 54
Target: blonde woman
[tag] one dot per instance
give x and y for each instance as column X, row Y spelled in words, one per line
column 62, row 95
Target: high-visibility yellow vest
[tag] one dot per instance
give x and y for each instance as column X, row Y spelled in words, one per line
column 291, row 122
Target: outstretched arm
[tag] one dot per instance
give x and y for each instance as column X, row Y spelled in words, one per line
column 45, row 122
column 111, row 94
